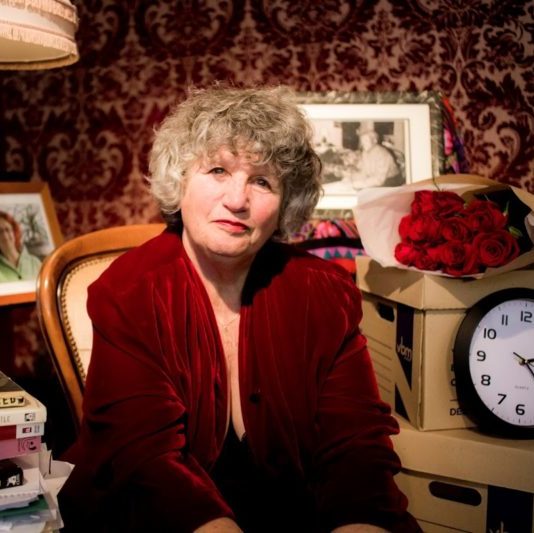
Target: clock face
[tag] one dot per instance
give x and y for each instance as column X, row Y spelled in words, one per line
column 501, row 361
column 494, row 363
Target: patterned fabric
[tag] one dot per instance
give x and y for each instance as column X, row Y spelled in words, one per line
column 334, row 239
column 86, row 129
column 455, row 161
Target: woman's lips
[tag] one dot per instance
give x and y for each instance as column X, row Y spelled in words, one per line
column 232, row 226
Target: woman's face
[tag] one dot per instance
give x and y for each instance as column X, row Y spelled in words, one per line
column 230, row 207
column 7, row 236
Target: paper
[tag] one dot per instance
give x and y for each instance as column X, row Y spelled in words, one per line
column 23, row 494
column 42, row 476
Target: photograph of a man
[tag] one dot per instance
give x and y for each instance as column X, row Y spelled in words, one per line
column 375, row 165
column 369, row 154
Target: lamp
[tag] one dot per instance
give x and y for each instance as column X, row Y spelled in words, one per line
column 37, row 34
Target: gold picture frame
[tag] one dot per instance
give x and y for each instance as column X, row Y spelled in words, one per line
column 27, row 213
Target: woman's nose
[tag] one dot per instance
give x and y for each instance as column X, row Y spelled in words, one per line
column 236, row 194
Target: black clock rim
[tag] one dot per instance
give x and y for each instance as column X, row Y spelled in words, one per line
column 468, row 398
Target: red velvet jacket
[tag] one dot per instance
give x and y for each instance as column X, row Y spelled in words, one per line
column 156, row 396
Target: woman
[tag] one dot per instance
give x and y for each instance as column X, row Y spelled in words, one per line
column 229, row 387
column 16, row 263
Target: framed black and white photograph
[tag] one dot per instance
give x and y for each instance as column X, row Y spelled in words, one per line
column 29, row 231
column 373, row 140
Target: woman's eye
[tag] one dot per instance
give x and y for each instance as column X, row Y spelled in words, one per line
column 217, row 170
column 263, row 182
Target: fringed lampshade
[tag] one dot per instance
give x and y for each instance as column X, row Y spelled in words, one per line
column 37, row 34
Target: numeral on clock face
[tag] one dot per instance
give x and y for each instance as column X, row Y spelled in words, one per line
column 501, row 361
column 485, row 380
column 490, row 333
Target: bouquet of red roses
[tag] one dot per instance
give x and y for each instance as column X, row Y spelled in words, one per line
column 445, row 233
column 458, row 225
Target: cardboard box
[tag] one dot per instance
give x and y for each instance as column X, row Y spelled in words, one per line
column 410, row 320
column 443, row 504
column 468, row 455
column 461, row 480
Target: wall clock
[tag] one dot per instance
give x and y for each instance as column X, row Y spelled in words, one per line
column 494, row 363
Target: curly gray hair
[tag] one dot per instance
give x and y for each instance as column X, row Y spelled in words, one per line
column 266, row 122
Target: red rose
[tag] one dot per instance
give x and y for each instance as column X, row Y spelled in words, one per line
column 405, row 253
column 424, row 261
column 439, row 203
column 434, row 252
column 424, row 228
column 484, row 215
column 423, row 202
column 496, row 248
column 404, row 227
column 457, row 258
column 455, row 229
column 447, row 203
column 452, row 253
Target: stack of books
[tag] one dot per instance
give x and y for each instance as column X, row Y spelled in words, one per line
column 24, row 500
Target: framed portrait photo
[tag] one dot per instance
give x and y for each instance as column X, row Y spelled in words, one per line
column 373, row 140
column 29, row 231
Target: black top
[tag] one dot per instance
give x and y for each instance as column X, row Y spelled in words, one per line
column 260, row 503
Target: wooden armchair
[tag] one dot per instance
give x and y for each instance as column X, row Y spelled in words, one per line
column 62, row 295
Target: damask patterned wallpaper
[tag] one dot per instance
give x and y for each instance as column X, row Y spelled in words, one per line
column 86, row 129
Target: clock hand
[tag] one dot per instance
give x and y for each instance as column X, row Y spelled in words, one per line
column 525, row 362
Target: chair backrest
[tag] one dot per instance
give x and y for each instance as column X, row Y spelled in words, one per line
column 62, row 296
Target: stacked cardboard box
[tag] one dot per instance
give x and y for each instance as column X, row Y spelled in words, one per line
column 461, row 480
column 410, row 320
column 455, row 478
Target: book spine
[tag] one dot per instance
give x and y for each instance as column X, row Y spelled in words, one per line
column 20, row 431
column 23, row 415
column 12, row 401
column 17, row 447
column 10, row 391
